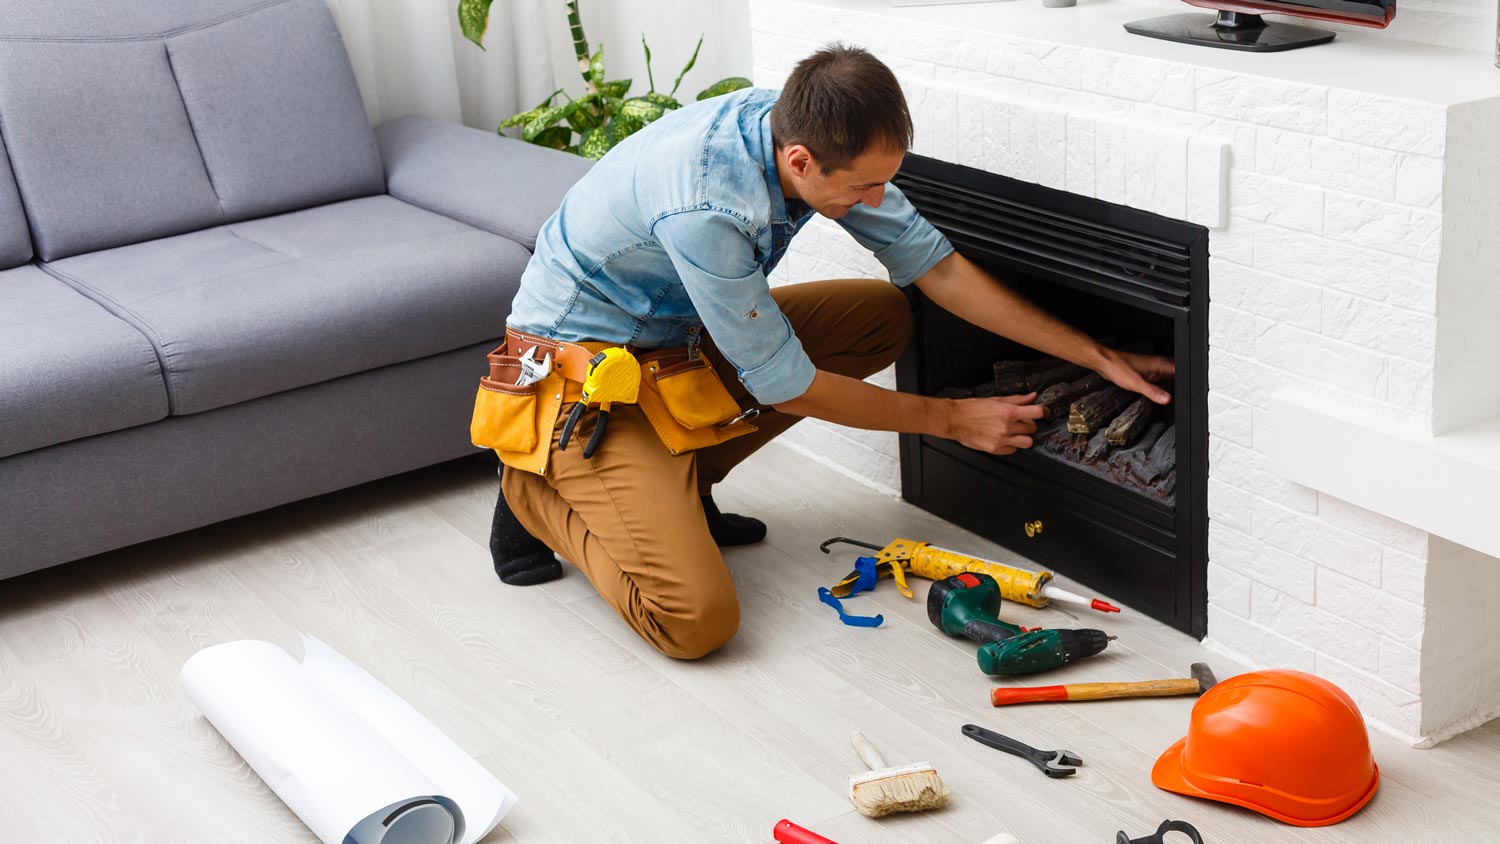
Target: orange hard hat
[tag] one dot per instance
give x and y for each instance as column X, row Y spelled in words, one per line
column 1286, row 744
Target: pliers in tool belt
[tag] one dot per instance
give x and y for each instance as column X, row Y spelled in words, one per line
column 614, row 375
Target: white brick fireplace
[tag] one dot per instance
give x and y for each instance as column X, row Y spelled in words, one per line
column 1352, row 193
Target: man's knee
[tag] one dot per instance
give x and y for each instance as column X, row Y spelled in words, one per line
column 701, row 630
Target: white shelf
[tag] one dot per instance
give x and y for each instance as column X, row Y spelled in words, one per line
column 1367, row 60
column 1448, row 485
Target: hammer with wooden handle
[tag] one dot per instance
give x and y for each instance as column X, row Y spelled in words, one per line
column 1202, row 679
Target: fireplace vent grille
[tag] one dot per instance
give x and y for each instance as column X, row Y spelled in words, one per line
column 1065, row 248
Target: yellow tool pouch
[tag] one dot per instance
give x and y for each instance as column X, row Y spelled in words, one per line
column 516, row 421
column 686, row 403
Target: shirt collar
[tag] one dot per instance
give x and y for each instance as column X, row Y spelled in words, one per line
column 783, row 210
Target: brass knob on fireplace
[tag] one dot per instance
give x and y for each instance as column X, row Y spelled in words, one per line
column 1033, row 527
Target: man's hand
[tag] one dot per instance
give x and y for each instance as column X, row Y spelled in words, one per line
column 998, row 425
column 1136, row 372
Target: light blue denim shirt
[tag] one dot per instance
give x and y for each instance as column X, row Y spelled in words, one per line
column 672, row 234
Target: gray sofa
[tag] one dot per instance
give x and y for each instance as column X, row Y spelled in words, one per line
column 220, row 289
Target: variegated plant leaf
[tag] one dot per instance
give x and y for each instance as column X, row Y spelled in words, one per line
column 542, row 121
column 724, row 86
column 596, row 67
column 650, row 80
column 556, row 137
column 626, row 126
column 473, row 19
column 582, row 117
column 662, row 100
column 597, row 142
column 641, row 109
column 525, row 116
column 518, row 119
column 692, row 61
column 617, row 88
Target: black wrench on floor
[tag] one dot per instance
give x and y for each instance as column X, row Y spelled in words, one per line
column 1043, row 759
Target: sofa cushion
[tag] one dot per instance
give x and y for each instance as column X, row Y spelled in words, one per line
column 248, row 309
column 100, row 144
column 276, row 110
column 68, row 367
column 458, row 171
column 124, row 129
column 71, row 19
column 15, row 238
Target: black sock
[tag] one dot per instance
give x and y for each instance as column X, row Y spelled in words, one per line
column 520, row 558
column 730, row 529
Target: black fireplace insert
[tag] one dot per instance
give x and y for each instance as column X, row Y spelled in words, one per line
column 1114, row 493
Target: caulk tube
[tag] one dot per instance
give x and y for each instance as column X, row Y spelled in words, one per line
column 1053, row 592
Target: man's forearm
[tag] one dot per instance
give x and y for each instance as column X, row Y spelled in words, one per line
column 856, row 404
column 953, row 283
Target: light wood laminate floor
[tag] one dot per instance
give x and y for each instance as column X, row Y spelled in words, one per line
column 603, row 739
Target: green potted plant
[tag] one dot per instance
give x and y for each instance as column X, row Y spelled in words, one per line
column 604, row 114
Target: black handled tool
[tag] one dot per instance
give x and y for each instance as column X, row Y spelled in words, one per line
column 1161, row 832
column 1043, row 759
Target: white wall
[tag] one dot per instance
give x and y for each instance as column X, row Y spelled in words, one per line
column 671, row 27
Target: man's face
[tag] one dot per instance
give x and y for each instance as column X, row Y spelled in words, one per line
column 833, row 194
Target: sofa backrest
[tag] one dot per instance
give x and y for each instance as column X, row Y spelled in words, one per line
column 128, row 120
column 15, row 238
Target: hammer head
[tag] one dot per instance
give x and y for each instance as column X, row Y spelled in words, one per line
column 1204, row 675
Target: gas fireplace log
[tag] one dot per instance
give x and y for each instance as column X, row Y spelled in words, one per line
column 1060, row 374
column 1130, row 424
column 1051, row 438
column 1011, row 375
column 1096, row 409
column 1168, row 483
column 1017, row 377
column 1055, row 400
column 985, row 390
column 1128, row 466
column 1097, row 448
column 1163, row 456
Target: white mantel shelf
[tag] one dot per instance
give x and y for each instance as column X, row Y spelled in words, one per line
column 1447, row 485
column 1366, row 61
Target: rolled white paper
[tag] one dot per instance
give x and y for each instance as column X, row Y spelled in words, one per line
column 346, row 754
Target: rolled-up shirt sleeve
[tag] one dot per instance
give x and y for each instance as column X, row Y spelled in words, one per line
column 715, row 259
column 900, row 238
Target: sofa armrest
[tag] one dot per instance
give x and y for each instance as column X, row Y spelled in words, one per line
column 489, row 181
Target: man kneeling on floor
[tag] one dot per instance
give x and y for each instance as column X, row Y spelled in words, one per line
column 663, row 248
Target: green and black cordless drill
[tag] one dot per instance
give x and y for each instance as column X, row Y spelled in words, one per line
column 968, row 605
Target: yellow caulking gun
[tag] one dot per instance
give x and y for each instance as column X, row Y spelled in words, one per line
column 922, row 559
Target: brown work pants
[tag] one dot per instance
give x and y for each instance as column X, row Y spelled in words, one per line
column 631, row 518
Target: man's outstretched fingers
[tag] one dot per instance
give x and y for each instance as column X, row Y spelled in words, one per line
column 1026, row 399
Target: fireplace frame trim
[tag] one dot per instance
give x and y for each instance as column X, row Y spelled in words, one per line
column 1189, row 518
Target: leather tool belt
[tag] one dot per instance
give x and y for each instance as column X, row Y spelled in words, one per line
column 681, row 396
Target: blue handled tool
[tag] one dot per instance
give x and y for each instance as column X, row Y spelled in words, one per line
column 865, row 578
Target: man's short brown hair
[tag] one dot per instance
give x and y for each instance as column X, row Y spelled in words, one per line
column 839, row 102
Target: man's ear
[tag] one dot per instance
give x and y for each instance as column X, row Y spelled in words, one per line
column 798, row 159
